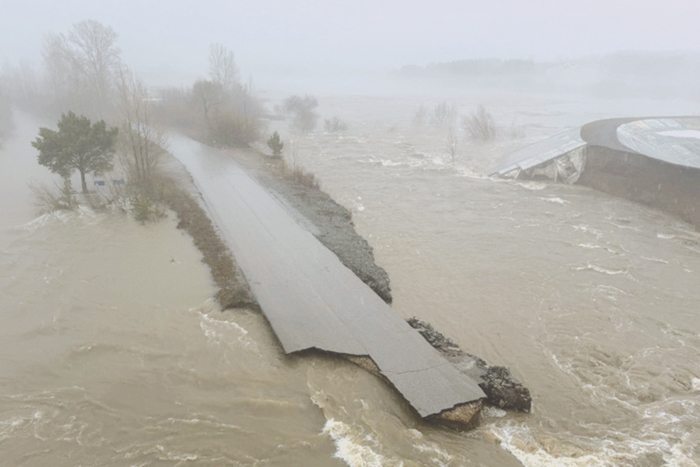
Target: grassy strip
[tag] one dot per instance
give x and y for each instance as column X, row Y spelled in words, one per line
column 233, row 288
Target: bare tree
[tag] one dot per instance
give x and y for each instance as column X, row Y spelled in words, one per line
column 334, row 125
column 420, row 116
column 444, row 114
column 452, row 141
column 142, row 143
column 64, row 78
column 95, row 47
column 480, row 125
column 222, row 67
column 207, row 96
column 305, row 117
column 83, row 63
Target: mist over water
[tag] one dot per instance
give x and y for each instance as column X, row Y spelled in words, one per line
column 113, row 352
column 112, row 349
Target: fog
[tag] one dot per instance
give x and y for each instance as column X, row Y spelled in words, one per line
column 121, row 338
column 279, row 42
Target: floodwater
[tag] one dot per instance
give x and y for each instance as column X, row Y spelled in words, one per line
column 113, row 354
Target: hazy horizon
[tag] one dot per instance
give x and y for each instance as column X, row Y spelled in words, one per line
column 168, row 43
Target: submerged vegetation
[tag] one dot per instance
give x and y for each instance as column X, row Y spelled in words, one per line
column 480, row 125
column 303, row 112
column 334, row 125
column 59, row 198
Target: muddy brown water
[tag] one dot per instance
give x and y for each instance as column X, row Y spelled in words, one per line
column 112, row 353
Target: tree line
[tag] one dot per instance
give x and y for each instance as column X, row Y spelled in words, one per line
column 106, row 110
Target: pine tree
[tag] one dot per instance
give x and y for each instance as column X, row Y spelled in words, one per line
column 276, row 144
column 77, row 145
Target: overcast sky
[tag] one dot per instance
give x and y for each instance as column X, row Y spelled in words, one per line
column 171, row 37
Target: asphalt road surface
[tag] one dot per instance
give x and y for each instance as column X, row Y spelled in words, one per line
column 309, row 297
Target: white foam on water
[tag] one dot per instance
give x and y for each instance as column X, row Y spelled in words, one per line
column 82, row 213
column 466, row 172
column 357, row 206
column 493, row 412
column 589, row 246
column 655, row 260
column 222, row 332
column 592, row 246
column 534, row 186
column 519, row 440
column 555, row 200
column 439, row 456
column 601, row 269
column 203, row 422
column 587, row 229
column 679, row 458
column 628, row 227
column 353, row 448
column 696, row 384
column 12, row 426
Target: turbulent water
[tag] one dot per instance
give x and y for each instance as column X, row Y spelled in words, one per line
column 112, row 353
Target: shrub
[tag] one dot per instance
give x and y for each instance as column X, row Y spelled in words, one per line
column 145, row 208
column 302, row 108
column 232, row 129
column 298, row 174
column 443, row 114
column 295, row 171
column 334, row 125
column 480, row 125
column 58, row 198
column 276, row 144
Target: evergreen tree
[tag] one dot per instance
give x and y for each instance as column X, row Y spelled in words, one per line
column 77, row 145
column 276, row 144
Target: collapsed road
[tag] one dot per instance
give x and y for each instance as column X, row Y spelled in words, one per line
column 311, row 299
